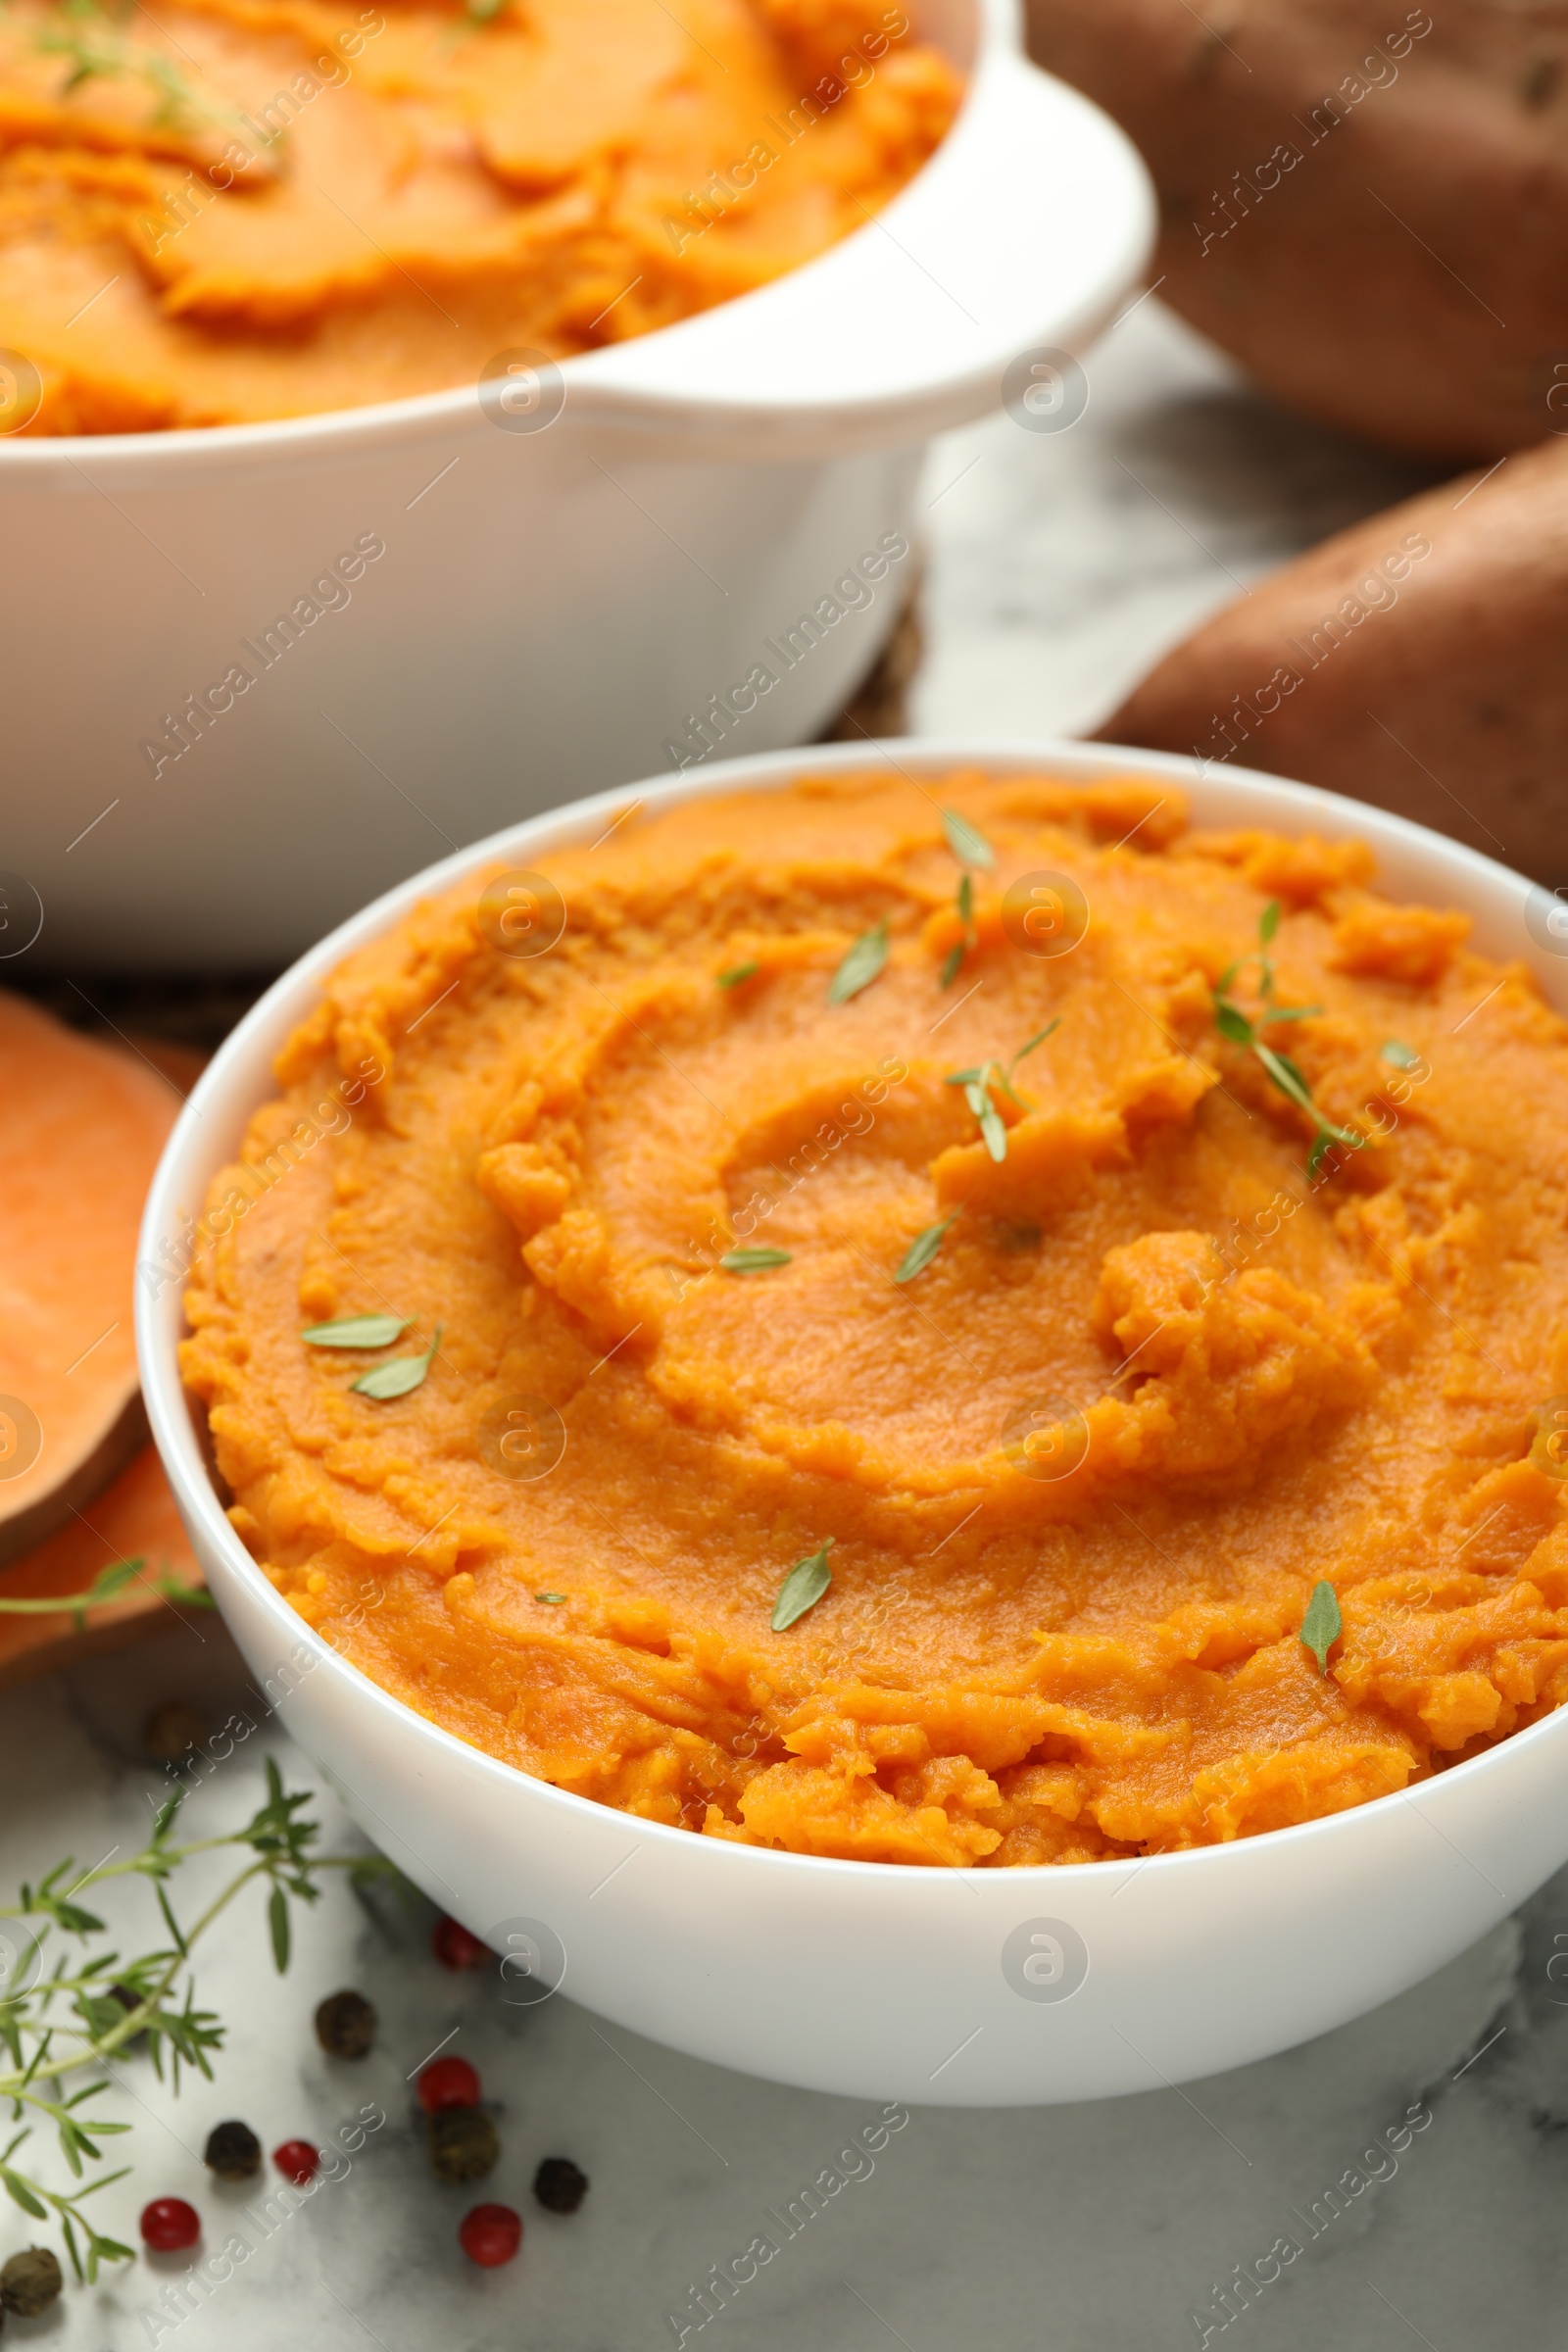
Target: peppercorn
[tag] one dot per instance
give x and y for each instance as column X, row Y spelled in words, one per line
column 490, row 2234
column 169, row 2224
column 345, row 2025
column 447, row 2083
column 30, row 2282
column 129, row 1998
column 455, row 1947
column 297, row 2161
column 171, row 1731
column 233, row 2151
column 558, row 2185
column 463, row 2143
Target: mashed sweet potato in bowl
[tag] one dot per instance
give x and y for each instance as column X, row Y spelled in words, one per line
column 876, row 1321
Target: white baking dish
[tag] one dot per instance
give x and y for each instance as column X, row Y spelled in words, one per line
column 978, row 1988
column 551, row 606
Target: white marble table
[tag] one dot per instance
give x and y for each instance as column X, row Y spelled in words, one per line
column 1061, row 564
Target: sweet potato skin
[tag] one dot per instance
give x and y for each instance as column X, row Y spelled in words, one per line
column 1446, row 701
column 1388, row 263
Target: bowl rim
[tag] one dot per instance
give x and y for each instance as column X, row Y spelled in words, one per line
column 242, row 1066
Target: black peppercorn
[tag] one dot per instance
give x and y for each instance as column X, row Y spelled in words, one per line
column 558, row 2185
column 233, row 2151
column 30, row 2282
column 463, row 2143
column 129, row 1998
column 345, row 2025
column 172, row 1731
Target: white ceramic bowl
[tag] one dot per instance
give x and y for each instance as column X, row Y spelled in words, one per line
column 877, row 1979
column 553, row 605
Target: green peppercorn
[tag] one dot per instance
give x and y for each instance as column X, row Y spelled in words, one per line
column 345, row 2025
column 30, row 2282
column 233, row 2151
column 463, row 2143
column 558, row 2185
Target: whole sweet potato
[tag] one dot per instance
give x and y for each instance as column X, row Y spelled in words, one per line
column 1414, row 661
column 1366, row 203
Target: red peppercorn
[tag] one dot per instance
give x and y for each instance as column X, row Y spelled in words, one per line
column 490, row 2236
column 297, row 2161
column 455, row 1947
column 447, row 2083
column 169, row 2224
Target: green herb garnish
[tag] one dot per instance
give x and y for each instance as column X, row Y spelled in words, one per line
column 1321, row 1625
column 978, row 1082
column 801, row 1588
column 860, row 965
column 398, row 1376
column 357, row 1331
column 755, row 1261
column 1233, row 1023
column 89, row 40
column 1403, row 1057
column 104, row 1587
column 922, row 1250
column 967, row 841
column 481, row 10
column 738, row 972
column 952, row 962
column 83, row 2016
column 551, row 1599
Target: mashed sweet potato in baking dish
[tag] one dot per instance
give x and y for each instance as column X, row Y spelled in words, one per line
column 899, row 1315
column 216, row 210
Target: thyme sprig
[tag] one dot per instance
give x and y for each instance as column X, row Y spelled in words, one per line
column 971, row 848
column 95, row 49
column 104, row 1587
column 1233, row 1023
column 978, row 1082
column 76, row 2017
column 861, row 965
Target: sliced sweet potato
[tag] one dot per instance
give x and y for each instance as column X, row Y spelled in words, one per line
column 133, row 1519
column 1430, row 683
column 1366, row 206
column 81, row 1126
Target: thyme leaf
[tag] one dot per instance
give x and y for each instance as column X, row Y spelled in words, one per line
column 1403, row 1057
column 922, row 1250
column 967, row 841
column 738, row 972
column 357, row 1331
column 1322, row 1625
column 755, row 1261
column 860, row 965
column 801, row 1588
column 398, row 1376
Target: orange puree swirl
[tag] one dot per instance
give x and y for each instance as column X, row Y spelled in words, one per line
column 1080, row 1474
column 217, row 211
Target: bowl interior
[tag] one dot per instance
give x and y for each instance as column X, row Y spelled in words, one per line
column 1412, row 865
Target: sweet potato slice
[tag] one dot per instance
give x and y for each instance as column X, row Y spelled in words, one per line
column 81, row 1126
column 133, row 1519
column 1428, row 682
